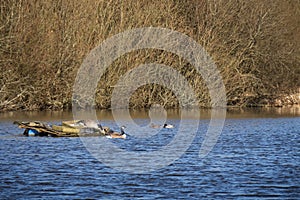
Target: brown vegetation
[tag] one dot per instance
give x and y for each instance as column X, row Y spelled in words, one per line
column 254, row 43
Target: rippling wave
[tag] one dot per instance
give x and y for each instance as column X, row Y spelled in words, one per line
column 255, row 158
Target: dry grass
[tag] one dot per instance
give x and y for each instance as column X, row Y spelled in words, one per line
column 254, row 43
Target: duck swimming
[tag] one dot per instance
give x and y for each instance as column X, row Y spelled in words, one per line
column 168, row 126
column 152, row 125
column 112, row 134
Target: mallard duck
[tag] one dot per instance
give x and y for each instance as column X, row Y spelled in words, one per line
column 113, row 134
column 168, row 126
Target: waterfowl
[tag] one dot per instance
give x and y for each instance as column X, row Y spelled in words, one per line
column 168, row 126
column 89, row 123
column 113, row 134
column 101, row 129
column 95, row 126
column 104, row 130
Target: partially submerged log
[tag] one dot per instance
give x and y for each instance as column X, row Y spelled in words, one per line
column 67, row 129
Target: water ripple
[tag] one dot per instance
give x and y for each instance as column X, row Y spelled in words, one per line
column 253, row 159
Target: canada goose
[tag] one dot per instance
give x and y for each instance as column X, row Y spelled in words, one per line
column 113, row 134
column 168, row 126
column 103, row 130
column 89, row 123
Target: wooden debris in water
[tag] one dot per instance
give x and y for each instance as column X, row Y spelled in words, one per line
column 64, row 130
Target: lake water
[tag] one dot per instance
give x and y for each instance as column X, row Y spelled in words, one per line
column 257, row 156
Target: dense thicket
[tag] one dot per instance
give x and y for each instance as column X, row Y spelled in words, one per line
column 255, row 44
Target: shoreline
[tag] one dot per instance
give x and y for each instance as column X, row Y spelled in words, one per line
column 278, row 101
column 205, row 113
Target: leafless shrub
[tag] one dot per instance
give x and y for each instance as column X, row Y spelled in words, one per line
column 254, row 43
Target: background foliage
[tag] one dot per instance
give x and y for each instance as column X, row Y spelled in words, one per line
column 255, row 44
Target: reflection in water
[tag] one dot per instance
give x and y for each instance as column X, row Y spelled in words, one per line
column 293, row 111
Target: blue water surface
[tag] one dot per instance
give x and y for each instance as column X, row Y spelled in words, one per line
column 254, row 158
